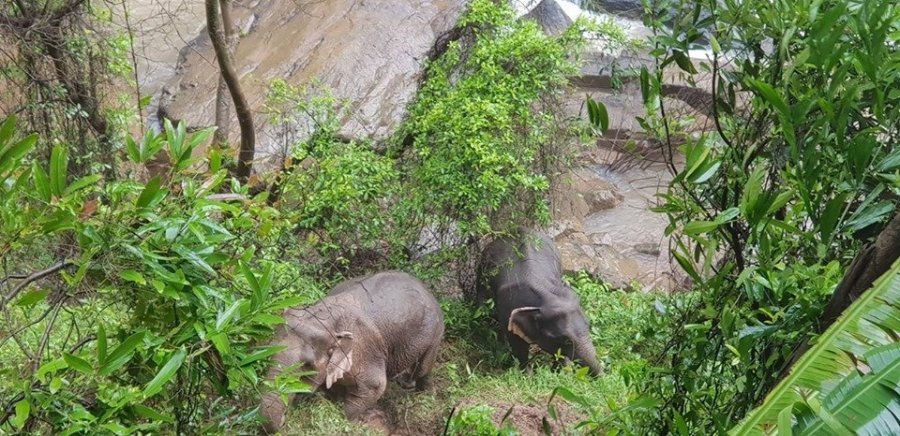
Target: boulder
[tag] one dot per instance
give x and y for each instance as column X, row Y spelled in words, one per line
column 583, row 192
column 580, row 253
column 370, row 53
column 550, row 16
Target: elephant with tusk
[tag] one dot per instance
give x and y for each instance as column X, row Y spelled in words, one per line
column 531, row 302
column 364, row 332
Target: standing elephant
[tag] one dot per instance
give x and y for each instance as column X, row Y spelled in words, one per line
column 364, row 332
column 531, row 302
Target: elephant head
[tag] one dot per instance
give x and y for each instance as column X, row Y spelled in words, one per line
column 311, row 348
column 557, row 325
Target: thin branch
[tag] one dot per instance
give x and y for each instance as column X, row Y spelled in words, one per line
column 31, row 278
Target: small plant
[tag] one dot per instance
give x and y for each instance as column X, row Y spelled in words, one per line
column 478, row 421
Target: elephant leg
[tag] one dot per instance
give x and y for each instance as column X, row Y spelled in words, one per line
column 519, row 349
column 424, row 366
column 365, row 394
column 272, row 408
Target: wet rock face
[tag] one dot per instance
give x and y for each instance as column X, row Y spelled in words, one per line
column 582, row 193
column 626, row 8
column 371, row 53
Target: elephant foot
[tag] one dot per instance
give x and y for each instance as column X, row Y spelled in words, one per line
column 406, row 383
column 423, row 383
column 377, row 420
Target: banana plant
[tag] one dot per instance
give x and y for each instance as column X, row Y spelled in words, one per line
column 849, row 381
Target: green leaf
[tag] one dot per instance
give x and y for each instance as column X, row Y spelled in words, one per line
column 220, row 340
column 19, row 149
column 131, row 147
column 41, row 183
column 145, row 101
column 684, row 62
column 33, row 297
column 23, row 410
column 225, row 317
column 598, row 114
column 50, row 367
column 262, row 353
column 752, row 193
column 122, row 354
column 195, row 259
column 830, row 216
column 149, row 413
column 149, row 192
column 78, row 363
column 6, row 131
column 165, row 374
column 133, row 276
column 697, row 227
column 645, row 84
column 705, row 172
column 687, row 266
column 889, row 162
column 728, row 215
column 101, row 343
column 780, row 200
column 771, row 96
column 869, row 214
column 59, row 162
column 785, row 421
column 714, row 43
column 62, row 219
column 82, row 183
column 571, row 397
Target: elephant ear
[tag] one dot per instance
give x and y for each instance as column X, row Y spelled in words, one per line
column 521, row 317
column 341, row 359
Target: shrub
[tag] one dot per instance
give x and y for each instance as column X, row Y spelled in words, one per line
column 767, row 211
column 155, row 304
column 480, row 134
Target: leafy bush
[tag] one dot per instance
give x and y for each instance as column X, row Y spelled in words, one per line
column 155, row 305
column 766, row 211
column 480, row 135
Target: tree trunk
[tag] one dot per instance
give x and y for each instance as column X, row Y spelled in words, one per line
column 223, row 115
column 870, row 264
column 241, row 108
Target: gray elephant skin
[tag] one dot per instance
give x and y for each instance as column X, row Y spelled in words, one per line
column 363, row 333
column 531, row 302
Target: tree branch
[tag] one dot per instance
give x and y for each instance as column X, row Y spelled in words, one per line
column 31, row 278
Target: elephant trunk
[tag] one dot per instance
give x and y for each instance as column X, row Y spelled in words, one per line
column 587, row 355
column 272, row 411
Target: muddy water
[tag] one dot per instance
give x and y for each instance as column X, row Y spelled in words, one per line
column 632, row 228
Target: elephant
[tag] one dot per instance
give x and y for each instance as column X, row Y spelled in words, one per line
column 364, row 332
column 523, row 274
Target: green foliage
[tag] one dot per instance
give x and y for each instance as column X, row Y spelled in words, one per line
column 343, row 192
column 480, row 139
column 847, row 382
column 476, row 420
column 160, row 300
column 338, row 193
column 304, row 117
column 766, row 211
